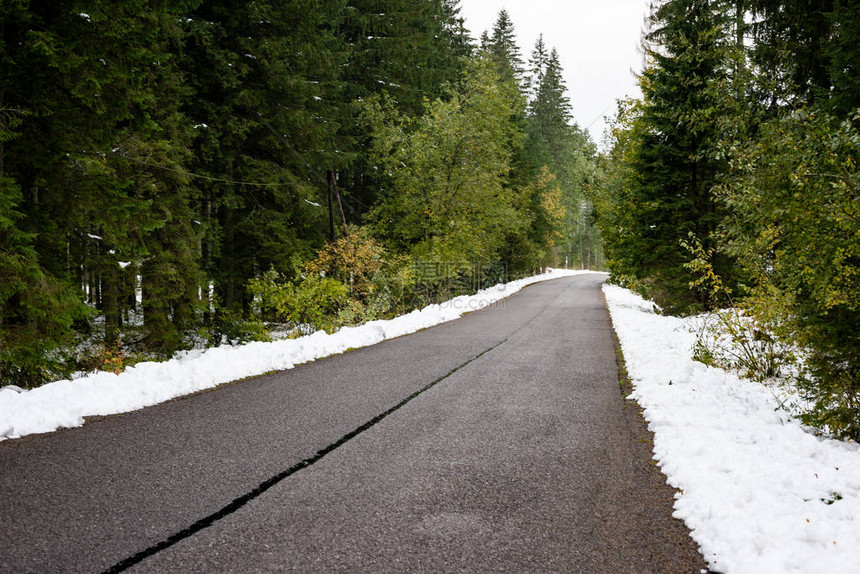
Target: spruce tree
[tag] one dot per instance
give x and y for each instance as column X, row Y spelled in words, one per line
column 790, row 48
column 791, row 198
column 674, row 160
column 407, row 49
column 36, row 310
column 536, row 69
column 555, row 141
column 502, row 45
column 102, row 141
column 267, row 94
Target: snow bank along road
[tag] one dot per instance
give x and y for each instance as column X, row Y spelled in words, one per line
column 500, row 441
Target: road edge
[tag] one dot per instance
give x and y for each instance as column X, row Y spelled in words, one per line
column 670, row 543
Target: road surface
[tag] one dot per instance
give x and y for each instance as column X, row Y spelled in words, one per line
column 497, row 442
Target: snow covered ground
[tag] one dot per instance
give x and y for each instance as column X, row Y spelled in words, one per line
column 66, row 403
column 760, row 494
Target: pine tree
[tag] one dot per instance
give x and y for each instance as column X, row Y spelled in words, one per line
column 407, row 48
column 102, row 133
column 806, row 53
column 550, row 110
column 36, row 310
column 790, row 39
column 843, row 51
column 537, row 67
column 456, row 36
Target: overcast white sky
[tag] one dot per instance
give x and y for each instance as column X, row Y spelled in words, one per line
column 597, row 40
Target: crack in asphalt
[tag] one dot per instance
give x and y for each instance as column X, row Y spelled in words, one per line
column 244, row 499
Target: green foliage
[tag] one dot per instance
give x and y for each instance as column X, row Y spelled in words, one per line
column 796, row 227
column 557, row 144
column 843, row 51
column 408, row 48
column 730, row 337
column 354, row 260
column 448, row 199
column 747, row 137
column 156, row 157
column 501, row 46
column 36, row 315
column 311, row 304
column 791, row 47
column 715, row 149
column 541, row 206
column 36, row 309
column 377, row 286
column 667, row 155
column 234, row 328
column 263, row 74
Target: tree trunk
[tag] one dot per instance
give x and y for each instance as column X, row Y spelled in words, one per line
column 206, row 259
column 739, row 23
column 329, row 178
column 229, row 297
column 160, row 336
column 110, row 300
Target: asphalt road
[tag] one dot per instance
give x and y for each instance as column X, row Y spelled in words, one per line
column 498, row 442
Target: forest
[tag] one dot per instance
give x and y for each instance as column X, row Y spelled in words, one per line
column 184, row 174
column 732, row 184
column 178, row 175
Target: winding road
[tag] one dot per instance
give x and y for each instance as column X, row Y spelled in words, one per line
column 498, row 442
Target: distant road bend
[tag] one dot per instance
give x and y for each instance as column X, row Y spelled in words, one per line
column 497, row 442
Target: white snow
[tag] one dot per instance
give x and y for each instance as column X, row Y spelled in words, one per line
column 66, row 403
column 760, row 493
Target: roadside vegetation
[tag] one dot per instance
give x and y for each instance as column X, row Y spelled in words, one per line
column 731, row 189
column 187, row 174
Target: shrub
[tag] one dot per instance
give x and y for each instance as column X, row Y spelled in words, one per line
column 312, row 303
column 731, row 337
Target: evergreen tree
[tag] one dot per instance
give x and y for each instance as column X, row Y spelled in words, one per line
column 36, row 310
column 408, row 49
column 550, row 112
column 267, row 96
column 455, row 33
column 556, row 142
column 672, row 161
column 806, row 53
column 537, row 67
column 502, row 45
column 791, row 195
column 843, row 51
column 790, row 39
column 90, row 190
